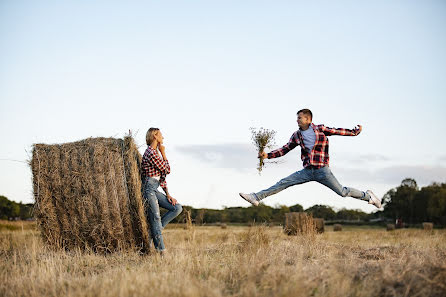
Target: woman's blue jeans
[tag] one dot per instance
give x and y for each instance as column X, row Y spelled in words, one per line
column 321, row 175
column 153, row 200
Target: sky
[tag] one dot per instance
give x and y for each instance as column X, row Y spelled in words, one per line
column 205, row 72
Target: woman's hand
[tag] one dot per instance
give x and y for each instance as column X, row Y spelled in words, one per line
column 162, row 150
column 172, row 200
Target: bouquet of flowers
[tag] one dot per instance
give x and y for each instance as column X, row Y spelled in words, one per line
column 262, row 138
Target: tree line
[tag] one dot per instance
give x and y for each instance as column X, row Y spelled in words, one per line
column 415, row 205
column 12, row 210
column 407, row 202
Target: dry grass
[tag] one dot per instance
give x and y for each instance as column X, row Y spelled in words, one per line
column 237, row 261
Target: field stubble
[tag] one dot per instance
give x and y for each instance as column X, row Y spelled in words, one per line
column 237, row 261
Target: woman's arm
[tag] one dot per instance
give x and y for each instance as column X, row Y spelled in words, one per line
column 160, row 162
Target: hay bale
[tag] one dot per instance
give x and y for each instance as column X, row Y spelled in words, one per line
column 320, row 225
column 299, row 223
column 223, row 225
column 390, row 227
column 428, row 226
column 337, row 227
column 88, row 195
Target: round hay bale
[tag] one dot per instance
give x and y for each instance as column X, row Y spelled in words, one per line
column 337, row 227
column 428, row 226
column 223, row 225
column 390, row 227
column 299, row 223
column 320, row 225
column 88, row 195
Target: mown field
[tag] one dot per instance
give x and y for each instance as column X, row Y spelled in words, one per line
column 236, row 261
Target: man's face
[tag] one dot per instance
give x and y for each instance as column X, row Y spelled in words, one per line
column 303, row 120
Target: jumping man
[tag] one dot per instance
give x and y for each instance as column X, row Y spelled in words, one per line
column 313, row 142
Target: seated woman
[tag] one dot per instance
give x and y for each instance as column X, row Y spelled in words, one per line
column 154, row 171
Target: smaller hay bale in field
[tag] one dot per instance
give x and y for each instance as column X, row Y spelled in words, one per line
column 223, row 225
column 428, row 226
column 320, row 225
column 337, row 227
column 299, row 223
column 390, row 227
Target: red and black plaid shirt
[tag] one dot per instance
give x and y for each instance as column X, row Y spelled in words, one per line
column 318, row 157
column 154, row 165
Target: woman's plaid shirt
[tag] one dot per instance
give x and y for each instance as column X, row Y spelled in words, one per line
column 318, row 157
column 154, row 165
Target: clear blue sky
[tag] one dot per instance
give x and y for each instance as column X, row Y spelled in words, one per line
column 207, row 71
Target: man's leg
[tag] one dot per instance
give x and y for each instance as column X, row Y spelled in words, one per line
column 326, row 177
column 173, row 210
column 299, row 177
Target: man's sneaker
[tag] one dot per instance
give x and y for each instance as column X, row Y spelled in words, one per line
column 251, row 198
column 373, row 199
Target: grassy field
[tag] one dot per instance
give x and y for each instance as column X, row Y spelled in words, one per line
column 237, row 261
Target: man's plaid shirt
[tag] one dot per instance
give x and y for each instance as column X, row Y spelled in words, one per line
column 154, row 165
column 318, row 157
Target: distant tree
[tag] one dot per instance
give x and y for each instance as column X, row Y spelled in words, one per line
column 436, row 206
column 296, row 208
column 351, row 214
column 199, row 219
column 415, row 205
column 322, row 211
column 279, row 213
column 11, row 209
column 400, row 202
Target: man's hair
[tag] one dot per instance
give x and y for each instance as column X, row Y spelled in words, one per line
column 306, row 111
column 150, row 135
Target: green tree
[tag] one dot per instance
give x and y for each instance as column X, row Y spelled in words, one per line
column 351, row 214
column 400, row 202
column 8, row 209
column 436, row 206
column 415, row 205
column 296, row 208
column 322, row 211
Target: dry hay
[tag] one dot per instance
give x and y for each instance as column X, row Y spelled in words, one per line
column 320, row 225
column 428, row 226
column 88, row 195
column 187, row 220
column 337, row 227
column 390, row 227
column 299, row 223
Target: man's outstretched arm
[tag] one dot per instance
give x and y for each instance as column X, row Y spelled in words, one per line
column 292, row 143
column 340, row 131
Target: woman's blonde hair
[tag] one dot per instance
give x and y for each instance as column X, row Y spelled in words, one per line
column 150, row 136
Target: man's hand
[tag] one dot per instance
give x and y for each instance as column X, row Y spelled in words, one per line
column 358, row 128
column 172, row 200
column 263, row 155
